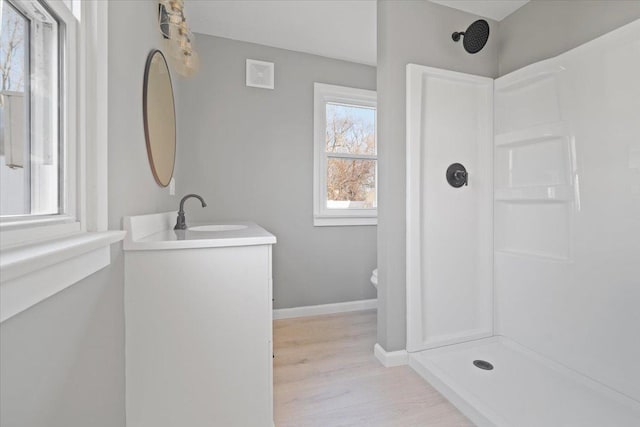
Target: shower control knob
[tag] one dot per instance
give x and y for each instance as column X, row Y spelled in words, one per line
column 460, row 176
column 457, row 175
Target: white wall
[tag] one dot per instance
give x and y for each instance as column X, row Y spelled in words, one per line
column 449, row 230
column 409, row 32
column 568, row 219
column 584, row 319
column 249, row 153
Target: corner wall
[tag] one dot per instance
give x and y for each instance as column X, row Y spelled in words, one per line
column 409, row 32
column 420, row 32
column 543, row 29
column 249, row 153
column 62, row 361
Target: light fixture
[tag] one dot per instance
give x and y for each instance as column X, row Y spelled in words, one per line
column 178, row 38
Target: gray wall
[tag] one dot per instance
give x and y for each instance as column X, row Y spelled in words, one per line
column 249, row 153
column 62, row 361
column 543, row 29
column 409, row 32
column 133, row 32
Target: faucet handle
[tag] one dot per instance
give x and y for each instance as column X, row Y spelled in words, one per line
column 181, row 223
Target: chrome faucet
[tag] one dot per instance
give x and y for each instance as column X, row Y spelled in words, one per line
column 181, row 223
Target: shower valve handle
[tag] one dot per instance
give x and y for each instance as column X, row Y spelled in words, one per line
column 457, row 175
column 461, row 175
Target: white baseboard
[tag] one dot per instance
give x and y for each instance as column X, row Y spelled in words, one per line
column 315, row 310
column 390, row 358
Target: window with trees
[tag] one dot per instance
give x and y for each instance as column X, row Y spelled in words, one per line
column 30, row 131
column 345, row 171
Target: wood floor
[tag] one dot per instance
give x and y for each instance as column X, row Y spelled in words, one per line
column 325, row 375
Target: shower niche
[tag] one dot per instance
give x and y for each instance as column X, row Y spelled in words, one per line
column 534, row 166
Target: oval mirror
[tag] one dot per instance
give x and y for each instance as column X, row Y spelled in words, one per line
column 159, row 118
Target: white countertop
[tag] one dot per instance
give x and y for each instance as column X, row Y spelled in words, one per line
column 155, row 232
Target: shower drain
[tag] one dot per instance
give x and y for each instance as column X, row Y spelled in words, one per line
column 483, row 364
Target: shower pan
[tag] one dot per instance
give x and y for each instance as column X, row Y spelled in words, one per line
column 523, row 285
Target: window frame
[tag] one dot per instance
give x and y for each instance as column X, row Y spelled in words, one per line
column 324, row 94
column 40, row 257
column 24, row 229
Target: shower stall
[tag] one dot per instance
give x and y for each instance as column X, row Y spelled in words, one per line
column 523, row 282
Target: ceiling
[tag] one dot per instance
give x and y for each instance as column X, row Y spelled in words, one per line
column 343, row 29
column 492, row 9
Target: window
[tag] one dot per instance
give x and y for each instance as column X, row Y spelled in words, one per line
column 30, row 137
column 38, row 123
column 346, row 163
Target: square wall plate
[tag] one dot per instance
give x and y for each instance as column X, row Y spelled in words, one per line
column 260, row 74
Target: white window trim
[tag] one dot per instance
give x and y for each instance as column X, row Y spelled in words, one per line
column 42, row 255
column 322, row 94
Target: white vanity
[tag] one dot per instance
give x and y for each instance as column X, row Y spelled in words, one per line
column 198, row 323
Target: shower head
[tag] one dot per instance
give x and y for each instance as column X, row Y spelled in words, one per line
column 475, row 37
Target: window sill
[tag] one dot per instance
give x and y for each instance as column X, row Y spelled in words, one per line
column 34, row 272
column 329, row 221
column 23, row 233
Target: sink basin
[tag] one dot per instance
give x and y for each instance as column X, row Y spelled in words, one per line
column 219, row 227
column 154, row 232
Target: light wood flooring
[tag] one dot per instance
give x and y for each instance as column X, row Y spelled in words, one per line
column 325, row 374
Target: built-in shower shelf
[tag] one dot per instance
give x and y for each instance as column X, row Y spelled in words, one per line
column 553, row 193
column 541, row 256
column 532, row 135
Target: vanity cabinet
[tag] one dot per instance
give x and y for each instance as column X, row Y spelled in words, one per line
column 198, row 326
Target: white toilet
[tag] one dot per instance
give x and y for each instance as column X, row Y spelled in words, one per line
column 374, row 278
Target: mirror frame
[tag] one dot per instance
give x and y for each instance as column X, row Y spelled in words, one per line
column 147, row 137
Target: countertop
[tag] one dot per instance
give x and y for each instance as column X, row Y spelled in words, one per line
column 155, row 232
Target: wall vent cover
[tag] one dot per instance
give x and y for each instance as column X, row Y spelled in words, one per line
column 260, row 74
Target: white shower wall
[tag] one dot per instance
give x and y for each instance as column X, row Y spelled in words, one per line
column 559, row 197
column 567, row 208
column 449, row 229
